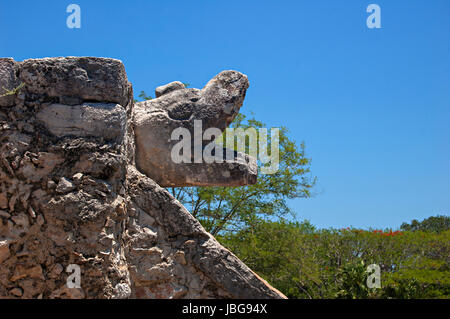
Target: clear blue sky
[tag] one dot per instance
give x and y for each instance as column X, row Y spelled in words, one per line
column 372, row 105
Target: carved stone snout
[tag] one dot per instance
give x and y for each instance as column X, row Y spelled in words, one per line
column 175, row 108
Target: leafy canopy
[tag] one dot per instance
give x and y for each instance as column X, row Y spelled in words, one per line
column 228, row 209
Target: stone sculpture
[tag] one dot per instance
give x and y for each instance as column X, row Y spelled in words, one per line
column 82, row 171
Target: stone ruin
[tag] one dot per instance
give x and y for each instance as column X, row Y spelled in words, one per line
column 82, row 171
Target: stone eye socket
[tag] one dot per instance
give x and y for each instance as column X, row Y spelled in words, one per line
column 180, row 111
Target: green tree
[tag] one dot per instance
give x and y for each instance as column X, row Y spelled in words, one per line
column 227, row 209
column 279, row 251
column 232, row 208
column 305, row 262
column 144, row 96
column 436, row 224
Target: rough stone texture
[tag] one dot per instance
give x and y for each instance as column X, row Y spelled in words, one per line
column 90, row 119
column 8, row 81
column 199, row 266
column 71, row 193
column 216, row 105
column 73, row 79
column 164, row 89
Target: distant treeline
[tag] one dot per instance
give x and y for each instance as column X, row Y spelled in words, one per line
column 305, row 262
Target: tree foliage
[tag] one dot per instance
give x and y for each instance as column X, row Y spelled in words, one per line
column 305, row 262
column 436, row 224
column 228, row 209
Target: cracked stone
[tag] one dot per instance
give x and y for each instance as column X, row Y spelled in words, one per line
column 65, row 186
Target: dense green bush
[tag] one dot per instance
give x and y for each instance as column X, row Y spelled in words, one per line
column 305, row 262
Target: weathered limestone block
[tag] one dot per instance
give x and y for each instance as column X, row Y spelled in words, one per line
column 8, row 81
column 215, row 106
column 90, row 119
column 4, row 250
column 71, row 194
column 62, row 166
column 164, row 89
column 74, row 79
column 218, row 266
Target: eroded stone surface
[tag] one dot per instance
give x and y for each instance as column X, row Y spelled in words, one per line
column 76, row 79
column 90, row 119
column 8, row 81
column 193, row 256
column 215, row 106
column 164, row 89
column 71, row 195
